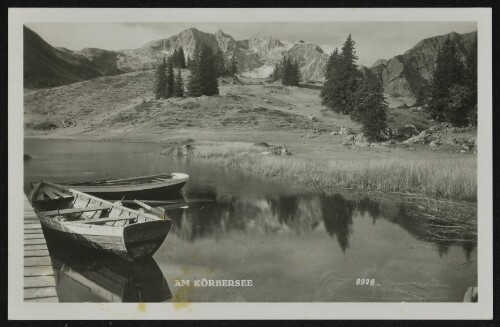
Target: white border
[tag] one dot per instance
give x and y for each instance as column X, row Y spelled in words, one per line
column 17, row 309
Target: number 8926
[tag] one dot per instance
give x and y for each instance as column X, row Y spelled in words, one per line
column 365, row 281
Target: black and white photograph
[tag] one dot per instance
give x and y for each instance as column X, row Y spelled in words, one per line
column 199, row 159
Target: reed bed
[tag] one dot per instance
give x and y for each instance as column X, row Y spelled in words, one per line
column 452, row 178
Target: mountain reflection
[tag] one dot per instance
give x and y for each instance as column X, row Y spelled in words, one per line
column 259, row 214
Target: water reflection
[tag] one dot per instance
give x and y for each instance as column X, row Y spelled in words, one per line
column 253, row 214
column 90, row 276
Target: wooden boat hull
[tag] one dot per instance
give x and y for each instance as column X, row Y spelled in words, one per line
column 131, row 243
column 94, row 223
column 143, row 191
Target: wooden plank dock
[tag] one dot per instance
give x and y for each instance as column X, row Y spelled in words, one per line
column 39, row 280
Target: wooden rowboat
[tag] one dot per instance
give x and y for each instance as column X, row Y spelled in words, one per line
column 96, row 223
column 143, row 187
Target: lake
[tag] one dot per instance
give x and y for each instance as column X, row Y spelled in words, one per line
column 294, row 243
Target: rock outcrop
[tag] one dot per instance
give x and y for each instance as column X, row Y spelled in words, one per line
column 406, row 74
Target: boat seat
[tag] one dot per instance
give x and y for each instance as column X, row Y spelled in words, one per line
column 74, row 210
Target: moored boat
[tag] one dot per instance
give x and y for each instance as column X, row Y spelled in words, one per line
column 142, row 187
column 96, row 223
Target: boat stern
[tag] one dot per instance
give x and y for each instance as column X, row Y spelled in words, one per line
column 142, row 240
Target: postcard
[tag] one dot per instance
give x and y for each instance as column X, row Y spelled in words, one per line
column 250, row 163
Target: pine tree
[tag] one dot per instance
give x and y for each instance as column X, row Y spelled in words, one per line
column 234, row 66
column 342, row 79
column 188, row 62
column 169, row 85
column 295, row 78
column 194, row 82
column 175, row 59
column 349, row 75
column 178, row 85
column 330, row 91
column 446, row 86
column 181, row 58
column 208, row 74
column 160, row 79
column 203, row 78
column 276, row 74
column 471, row 83
column 370, row 107
column 220, row 66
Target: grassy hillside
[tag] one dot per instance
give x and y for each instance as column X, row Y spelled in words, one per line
column 123, row 108
column 46, row 66
column 126, row 102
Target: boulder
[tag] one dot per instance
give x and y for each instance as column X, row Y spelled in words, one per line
column 334, row 133
column 434, row 144
column 361, row 140
column 420, row 138
column 345, row 131
column 387, row 143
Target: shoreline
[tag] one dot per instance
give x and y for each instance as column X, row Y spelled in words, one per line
column 352, row 172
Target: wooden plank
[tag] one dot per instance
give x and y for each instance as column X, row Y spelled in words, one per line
column 33, row 231
column 42, row 292
column 50, row 193
column 74, row 210
column 39, row 281
column 38, row 271
column 50, row 299
column 32, row 226
column 104, row 220
column 36, row 247
column 35, row 241
column 34, row 235
column 58, row 192
column 37, row 261
column 36, row 253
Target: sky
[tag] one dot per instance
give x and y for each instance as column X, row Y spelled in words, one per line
column 374, row 40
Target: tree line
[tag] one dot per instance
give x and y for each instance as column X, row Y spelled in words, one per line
column 205, row 67
column 452, row 95
column 287, row 71
column 359, row 94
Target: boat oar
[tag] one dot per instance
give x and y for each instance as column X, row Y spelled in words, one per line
column 159, row 212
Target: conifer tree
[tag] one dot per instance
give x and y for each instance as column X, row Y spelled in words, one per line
column 169, row 85
column 290, row 73
column 370, row 107
column 276, row 74
column 342, row 78
column 194, row 82
column 448, row 95
column 220, row 67
column 160, row 79
column 178, row 85
column 188, row 62
column 208, row 74
column 349, row 75
column 234, row 66
column 471, row 83
column 203, row 78
column 330, row 91
column 181, row 58
column 175, row 59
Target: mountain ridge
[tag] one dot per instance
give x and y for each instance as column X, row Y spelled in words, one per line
column 402, row 75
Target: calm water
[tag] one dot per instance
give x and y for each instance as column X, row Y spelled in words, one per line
column 294, row 243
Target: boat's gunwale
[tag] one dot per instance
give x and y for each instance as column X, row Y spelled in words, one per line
column 76, row 222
